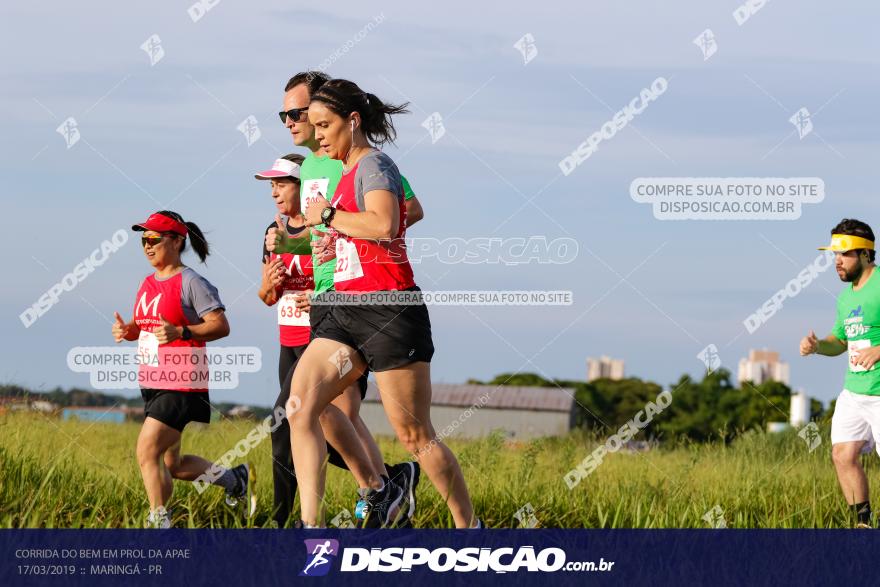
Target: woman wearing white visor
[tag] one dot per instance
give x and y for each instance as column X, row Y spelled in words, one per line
column 285, row 279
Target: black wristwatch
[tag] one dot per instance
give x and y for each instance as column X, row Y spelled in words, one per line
column 327, row 215
column 186, row 334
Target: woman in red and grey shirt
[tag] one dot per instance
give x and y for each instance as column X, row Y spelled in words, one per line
column 392, row 340
column 176, row 312
column 287, row 277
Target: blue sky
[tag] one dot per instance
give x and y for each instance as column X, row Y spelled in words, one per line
column 168, row 132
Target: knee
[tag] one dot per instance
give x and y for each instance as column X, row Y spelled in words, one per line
column 292, row 406
column 844, row 456
column 414, row 437
column 301, row 412
column 330, row 416
column 146, row 454
column 294, row 411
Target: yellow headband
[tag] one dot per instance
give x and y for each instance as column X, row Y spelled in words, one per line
column 846, row 242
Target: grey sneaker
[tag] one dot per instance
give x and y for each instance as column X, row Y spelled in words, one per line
column 159, row 519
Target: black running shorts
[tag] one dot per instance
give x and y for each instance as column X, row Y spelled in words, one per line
column 176, row 408
column 387, row 336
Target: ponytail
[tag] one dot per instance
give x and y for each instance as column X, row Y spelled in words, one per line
column 199, row 244
column 344, row 97
column 377, row 123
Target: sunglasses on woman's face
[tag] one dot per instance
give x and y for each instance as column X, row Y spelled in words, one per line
column 295, row 114
column 153, row 240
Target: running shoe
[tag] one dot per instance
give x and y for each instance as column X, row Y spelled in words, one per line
column 407, row 475
column 159, row 519
column 381, row 509
column 244, row 490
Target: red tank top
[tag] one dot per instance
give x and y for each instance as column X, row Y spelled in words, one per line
column 367, row 265
column 180, row 365
column 293, row 324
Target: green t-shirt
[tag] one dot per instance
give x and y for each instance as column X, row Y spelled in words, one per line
column 320, row 174
column 408, row 193
column 858, row 325
column 327, row 173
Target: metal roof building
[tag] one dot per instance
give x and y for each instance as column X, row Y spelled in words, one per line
column 473, row 411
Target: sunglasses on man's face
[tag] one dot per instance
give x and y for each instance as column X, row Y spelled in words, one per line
column 295, row 114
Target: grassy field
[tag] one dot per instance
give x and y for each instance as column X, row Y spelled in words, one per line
column 56, row 474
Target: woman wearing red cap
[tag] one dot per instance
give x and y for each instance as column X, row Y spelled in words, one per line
column 176, row 312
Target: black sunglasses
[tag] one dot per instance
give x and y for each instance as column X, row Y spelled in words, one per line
column 295, row 114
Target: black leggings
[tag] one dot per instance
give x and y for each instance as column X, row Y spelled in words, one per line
column 283, row 476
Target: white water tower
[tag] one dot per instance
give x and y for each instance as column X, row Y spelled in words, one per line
column 800, row 409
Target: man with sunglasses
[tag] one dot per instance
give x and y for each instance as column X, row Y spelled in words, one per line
column 319, row 176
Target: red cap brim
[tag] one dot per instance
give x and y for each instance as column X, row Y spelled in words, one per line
column 161, row 223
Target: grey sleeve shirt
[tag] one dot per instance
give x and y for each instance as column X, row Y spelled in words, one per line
column 198, row 296
column 376, row 171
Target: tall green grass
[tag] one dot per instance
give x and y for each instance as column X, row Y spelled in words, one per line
column 56, row 474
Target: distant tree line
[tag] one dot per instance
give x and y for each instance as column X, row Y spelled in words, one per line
column 710, row 409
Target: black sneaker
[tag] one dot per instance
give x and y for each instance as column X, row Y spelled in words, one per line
column 381, row 509
column 406, row 475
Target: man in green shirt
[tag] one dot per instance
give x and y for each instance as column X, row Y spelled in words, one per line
column 855, row 426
